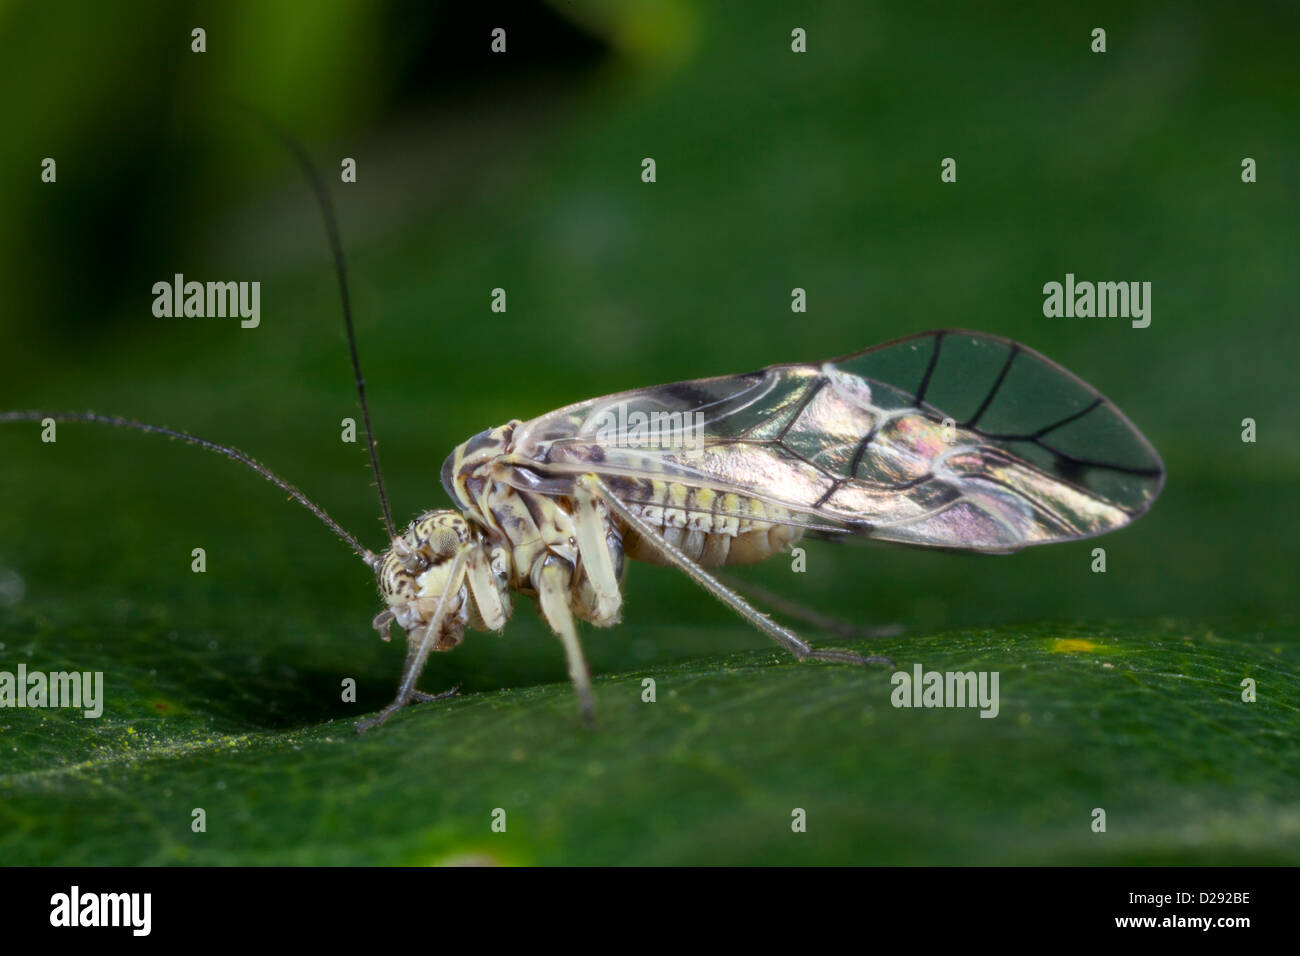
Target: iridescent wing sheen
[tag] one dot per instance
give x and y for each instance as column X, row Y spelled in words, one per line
column 947, row 439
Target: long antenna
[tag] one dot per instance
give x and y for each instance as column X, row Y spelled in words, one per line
column 340, row 269
column 233, row 453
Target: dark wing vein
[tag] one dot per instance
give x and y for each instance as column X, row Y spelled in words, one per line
column 992, row 393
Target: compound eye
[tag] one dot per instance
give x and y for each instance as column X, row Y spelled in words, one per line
column 443, row 543
column 438, row 536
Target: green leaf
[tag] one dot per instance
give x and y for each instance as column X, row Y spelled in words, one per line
column 1147, row 724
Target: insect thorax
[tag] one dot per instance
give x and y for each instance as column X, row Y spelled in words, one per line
column 532, row 526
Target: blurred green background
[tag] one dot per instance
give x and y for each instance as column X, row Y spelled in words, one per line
column 522, row 171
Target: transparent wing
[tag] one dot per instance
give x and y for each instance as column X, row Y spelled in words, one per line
column 947, row 439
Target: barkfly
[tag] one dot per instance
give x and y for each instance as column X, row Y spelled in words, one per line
column 947, row 439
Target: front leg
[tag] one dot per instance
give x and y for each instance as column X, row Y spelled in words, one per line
column 420, row 697
column 418, row 652
column 414, row 665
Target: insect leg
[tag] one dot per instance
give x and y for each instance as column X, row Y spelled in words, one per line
column 589, row 530
column 420, row 697
column 493, row 605
column 418, row 653
column 674, row 556
column 553, row 593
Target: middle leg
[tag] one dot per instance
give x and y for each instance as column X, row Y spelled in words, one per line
column 554, row 582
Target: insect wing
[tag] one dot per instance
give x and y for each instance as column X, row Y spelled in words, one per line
column 946, row 439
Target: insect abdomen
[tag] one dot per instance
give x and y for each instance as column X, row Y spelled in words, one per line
column 712, row 529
